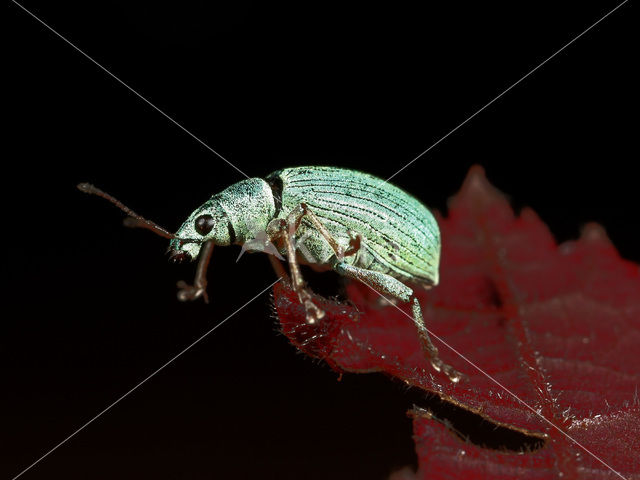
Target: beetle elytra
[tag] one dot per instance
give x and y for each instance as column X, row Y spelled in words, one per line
column 329, row 218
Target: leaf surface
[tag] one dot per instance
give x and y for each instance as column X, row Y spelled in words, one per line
column 557, row 326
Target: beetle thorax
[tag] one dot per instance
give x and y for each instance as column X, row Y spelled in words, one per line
column 249, row 206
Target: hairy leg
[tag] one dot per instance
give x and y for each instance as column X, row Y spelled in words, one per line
column 388, row 285
column 285, row 230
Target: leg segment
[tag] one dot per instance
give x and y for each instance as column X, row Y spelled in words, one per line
column 295, row 217
column 380, row 282
column 199, row 287
column 388, row 285
column 302, row 210
column 313, row 312
column 430, row 349
column 285, row 230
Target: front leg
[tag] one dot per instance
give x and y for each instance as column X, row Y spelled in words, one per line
column 199, row 287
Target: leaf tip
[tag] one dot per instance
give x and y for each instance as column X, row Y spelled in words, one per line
column 476, row 180
column 594, row 233
column 477, row 192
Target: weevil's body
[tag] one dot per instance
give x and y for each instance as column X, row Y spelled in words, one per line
column 330, row 218
column 399, row 235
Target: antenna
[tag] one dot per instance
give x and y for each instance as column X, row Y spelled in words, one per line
column 134, row 220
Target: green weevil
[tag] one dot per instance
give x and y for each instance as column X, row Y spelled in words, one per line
column 329, row 218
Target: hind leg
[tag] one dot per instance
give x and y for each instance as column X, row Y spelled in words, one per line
column 387, row 285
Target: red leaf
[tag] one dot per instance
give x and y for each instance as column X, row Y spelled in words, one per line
column 558, row 326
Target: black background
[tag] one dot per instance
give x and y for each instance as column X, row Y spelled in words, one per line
column 90, row 307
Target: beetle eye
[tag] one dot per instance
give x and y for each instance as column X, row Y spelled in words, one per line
column 204, row 224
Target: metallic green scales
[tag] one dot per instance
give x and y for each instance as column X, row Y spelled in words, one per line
column 399, row 234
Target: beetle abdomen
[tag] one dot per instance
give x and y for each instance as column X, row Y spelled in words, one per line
column 401, row 237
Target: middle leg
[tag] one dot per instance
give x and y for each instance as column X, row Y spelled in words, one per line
column 285, row 230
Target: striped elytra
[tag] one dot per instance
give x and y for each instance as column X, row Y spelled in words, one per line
column 400, row 235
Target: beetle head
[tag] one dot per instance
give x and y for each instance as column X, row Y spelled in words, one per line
column 207, row 223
